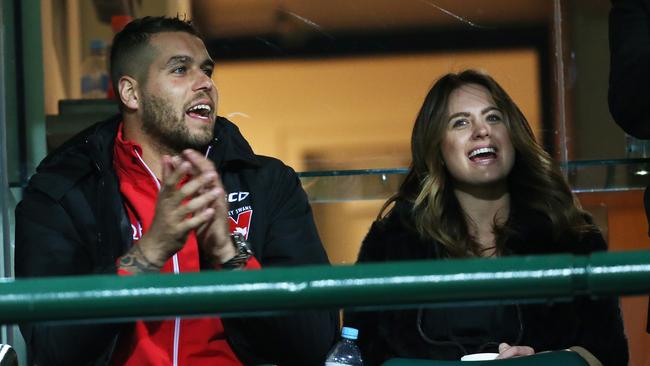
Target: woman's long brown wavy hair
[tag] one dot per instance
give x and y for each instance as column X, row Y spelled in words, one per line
column 535, row 182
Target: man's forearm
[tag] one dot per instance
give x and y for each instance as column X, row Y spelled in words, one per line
column 134, row 261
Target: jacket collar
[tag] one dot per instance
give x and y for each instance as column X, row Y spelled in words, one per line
column 92, row 149
column 229, row 146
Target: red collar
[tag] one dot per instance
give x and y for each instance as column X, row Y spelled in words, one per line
column 128, row 163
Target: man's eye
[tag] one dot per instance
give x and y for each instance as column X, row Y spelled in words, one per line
column 179, row 70
column 208, row 71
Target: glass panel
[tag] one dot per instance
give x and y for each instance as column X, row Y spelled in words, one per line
column 335, row 186
column 592, row 133
column 608, row 175
column 364, row 184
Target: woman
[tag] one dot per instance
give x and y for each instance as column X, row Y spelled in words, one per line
column 480, row 186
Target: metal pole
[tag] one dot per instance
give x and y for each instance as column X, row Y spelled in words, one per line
column 558, row 40
column 4, row 182
column 242, row 293
column 5, row 265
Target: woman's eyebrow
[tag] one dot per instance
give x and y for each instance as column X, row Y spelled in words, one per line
column 489, row 109
column 459, row 114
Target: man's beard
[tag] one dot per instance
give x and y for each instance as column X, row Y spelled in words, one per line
column 168, row 131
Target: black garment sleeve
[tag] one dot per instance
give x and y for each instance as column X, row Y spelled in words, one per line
column 629, row 76
column 629, row 43
column 47, row 244
column 303, row 337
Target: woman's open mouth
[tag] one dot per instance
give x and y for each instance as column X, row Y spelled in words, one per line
column 482, row 154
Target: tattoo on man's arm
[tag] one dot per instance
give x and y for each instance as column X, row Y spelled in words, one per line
column 134, row 261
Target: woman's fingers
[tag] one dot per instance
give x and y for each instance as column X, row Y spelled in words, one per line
column 508, row 351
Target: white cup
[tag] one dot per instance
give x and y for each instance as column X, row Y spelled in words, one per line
column 479, row 357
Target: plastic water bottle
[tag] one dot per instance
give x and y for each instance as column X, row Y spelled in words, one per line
column 94, row 77
column 345, row 352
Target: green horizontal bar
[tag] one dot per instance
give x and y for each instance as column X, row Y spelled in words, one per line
column 237, row 293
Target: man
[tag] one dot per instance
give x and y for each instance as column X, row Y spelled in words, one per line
column 135, row 194
column 629, row 74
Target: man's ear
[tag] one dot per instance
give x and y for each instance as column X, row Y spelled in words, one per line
column 128, row 92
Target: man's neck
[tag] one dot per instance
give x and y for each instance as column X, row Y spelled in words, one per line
column 152, row 152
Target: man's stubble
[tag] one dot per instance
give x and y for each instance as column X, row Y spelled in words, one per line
column 167, row 128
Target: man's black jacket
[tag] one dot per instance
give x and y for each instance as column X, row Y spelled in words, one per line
column 629, row 74
column 71, row 221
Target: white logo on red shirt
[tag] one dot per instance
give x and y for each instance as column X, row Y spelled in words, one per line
column 137, row 231
column 242, row 223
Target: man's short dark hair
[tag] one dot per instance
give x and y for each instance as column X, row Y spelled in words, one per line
column 127, row 56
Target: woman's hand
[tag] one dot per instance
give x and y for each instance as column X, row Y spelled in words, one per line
column 508, row 351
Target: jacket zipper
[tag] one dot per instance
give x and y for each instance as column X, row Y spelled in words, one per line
column 176, row 265
column 177, row 270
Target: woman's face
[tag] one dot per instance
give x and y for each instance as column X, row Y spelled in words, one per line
column 476, row 146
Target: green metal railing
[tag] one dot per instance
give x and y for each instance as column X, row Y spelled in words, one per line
column 237, row 293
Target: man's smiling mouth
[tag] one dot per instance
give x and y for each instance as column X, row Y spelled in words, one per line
column 201, row 111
